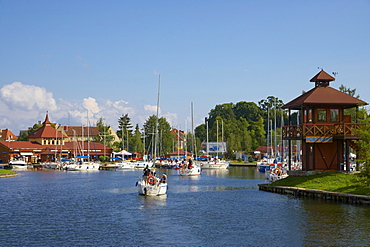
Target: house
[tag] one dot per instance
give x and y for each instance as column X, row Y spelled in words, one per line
column 47, row 144
column 180, row 137
column 85, row 133
column 7, row 135
column 325, row 131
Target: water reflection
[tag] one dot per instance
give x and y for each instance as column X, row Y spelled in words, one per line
column 218, row 208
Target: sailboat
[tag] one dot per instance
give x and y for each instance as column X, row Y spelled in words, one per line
column 190, row 168
column 83, row 162
column 149, row 184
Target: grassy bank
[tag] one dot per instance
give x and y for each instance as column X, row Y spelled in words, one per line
column 3, row 171
column 329, row 181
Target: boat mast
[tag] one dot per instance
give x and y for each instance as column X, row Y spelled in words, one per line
column 217, row 138
column 193, row 144
column 156, row 121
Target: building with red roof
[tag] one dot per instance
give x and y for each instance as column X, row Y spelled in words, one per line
column 48, row 143
column 324, row 129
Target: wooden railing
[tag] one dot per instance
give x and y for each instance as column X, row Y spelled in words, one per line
column 303, row 130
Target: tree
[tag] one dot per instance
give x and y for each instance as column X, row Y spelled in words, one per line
column 247, row 110
column 125, row 132
column 23, row 137
column 105, row 135
column 137, row 143
column 164, row 135
column 363, row 146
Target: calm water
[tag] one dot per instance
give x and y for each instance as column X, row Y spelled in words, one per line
column 219, row 208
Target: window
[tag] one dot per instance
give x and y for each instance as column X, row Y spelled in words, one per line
column 321, row 115
column 334, row 115
column 310, row 115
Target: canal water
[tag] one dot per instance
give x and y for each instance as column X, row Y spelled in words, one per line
column 219, row 208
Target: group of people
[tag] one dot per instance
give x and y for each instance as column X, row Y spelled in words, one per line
column 148, row 175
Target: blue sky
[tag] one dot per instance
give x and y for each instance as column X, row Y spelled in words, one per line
column 79, row 59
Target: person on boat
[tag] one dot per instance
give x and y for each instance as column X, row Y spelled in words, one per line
column 190, row 164
column 146, row 173
column 163, row 178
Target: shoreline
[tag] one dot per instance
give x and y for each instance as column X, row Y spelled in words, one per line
column 317, row 194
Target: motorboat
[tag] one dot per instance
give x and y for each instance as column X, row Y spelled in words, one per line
column 214, row 164
column 143, row 164
column 125, row 165
column 152, row 185
column 83, row 166
column 190, row 171
column 18, row 163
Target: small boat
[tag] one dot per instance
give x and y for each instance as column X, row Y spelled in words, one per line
column 276, row 173
column 151, row 185
column 83, row 166
column 125, row 165
column 215, row 164
column 193, row 171
column 18, row 163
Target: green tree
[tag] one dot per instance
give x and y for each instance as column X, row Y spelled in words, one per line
column 137, row 142
column 363, row 151
column 125, row 132
column 164, row 135
column 247, row 110
column 23, row 137
column 105, row 135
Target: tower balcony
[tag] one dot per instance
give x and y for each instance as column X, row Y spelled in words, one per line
column 338, row 131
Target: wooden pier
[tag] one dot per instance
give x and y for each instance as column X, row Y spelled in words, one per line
column 318, row 194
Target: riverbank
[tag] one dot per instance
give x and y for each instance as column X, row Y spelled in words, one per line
column 7, row 173
column 329, row 186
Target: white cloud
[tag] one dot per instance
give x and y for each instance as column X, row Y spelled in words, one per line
column 28, row 97
column 21, row 106
column 151, row 108
column 91, row 105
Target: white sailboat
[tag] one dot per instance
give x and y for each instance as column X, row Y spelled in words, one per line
column 149, row 184
column 83, row 162
column 190, row 168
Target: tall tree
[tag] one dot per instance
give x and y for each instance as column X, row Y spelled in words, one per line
column 137, row 142
column 125, row 132
column 105, row 134
column 164, row 135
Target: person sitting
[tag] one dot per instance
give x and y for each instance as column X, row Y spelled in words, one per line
column 190, row 164
column 163, row 178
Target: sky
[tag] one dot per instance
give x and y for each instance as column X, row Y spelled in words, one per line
column 82, row 60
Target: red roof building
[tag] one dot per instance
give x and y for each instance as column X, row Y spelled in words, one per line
column 47, row 144
column 7, row 135
column 325, row 131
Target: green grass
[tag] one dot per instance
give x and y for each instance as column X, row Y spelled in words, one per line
column 329, row 181
column 235, row 162
column 2, row 171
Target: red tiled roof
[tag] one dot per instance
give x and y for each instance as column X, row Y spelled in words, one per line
column 325, row 96
column 80, row 131
column 67, row 146
column 47, row 131
column 322, row 76
column 7, row 134
column 21, row 145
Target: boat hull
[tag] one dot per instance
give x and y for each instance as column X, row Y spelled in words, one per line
column 157, row 188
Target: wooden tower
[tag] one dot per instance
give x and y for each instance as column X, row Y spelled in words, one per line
column 326, row 133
